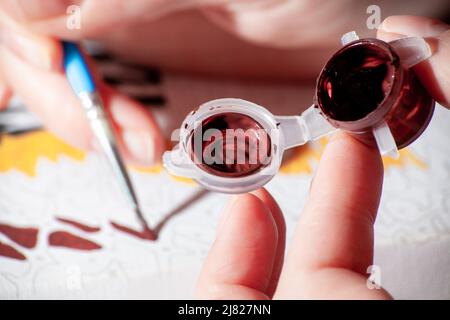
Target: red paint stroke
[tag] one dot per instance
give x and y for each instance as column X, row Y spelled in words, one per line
column 79, row 225
column 69, row 240
column 146, row 234
column 26, row 237
column 10, row 252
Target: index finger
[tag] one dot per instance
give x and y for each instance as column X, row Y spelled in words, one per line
column 333, row 242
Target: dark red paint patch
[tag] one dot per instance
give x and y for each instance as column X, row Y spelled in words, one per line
column 10, row 252
column 69, row 240
column 26, row 237
column 78, row 225
column 146, row 234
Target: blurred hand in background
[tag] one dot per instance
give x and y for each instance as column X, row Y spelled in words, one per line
column 239, row 38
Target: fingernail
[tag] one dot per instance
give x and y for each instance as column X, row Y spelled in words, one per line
column 140, row 146
column 26, row 49
column 430, row 28
column 36, row 9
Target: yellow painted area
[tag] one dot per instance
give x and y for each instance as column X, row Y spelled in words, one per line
column 183, row 180
column 406, row 157
column 23, row 151
column 300, row 159
column 148, row 170
column 158, row 169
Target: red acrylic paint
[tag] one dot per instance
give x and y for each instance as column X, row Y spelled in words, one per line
column 146, row 234
column 245, row 146
column 364, row 84
column 26, row 237
column 78, row 225
column 9, row 252
column 71, row 241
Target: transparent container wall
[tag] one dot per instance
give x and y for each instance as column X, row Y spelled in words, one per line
column 400, row 108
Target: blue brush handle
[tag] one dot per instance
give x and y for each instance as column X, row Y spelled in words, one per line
column 77, row 72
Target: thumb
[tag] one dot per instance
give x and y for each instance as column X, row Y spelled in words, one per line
column 434, row 72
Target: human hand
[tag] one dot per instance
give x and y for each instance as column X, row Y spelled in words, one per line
column 33, row 72
column 31, row 59
column 434, row 72
column 140, row 31
column 31, row 67
column 333, row 242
